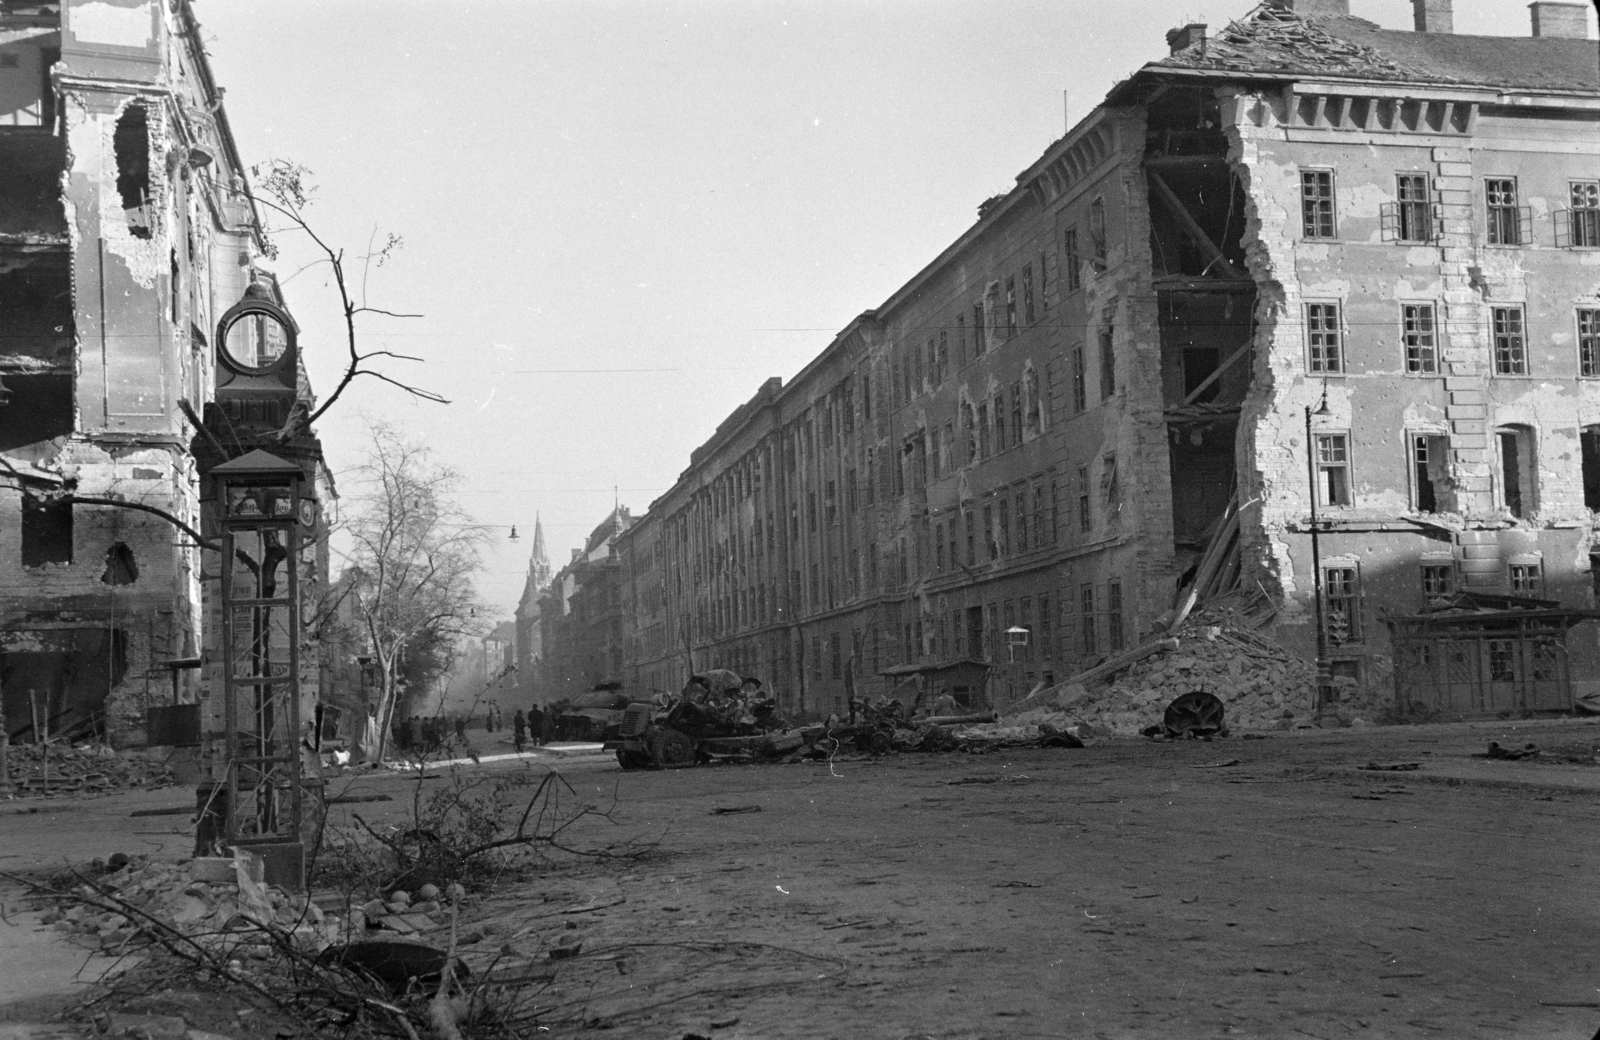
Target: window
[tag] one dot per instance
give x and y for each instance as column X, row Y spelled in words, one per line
column 1415, row 210
column 1316, row 203
column 1324, row 349
column 1584, row 229
column 1097, row 233
column 1438, row 579
column 971, row 527
column 1588, row 341
column 941, row 360
column 1000, row 421
column 1589, row 448
column 978, row 344
column 1030, row 392
column 1085, row 513
column 1500, row 201
column 1072, row 259
column 1027, row 294
column 1044, row 283
column 961, row 335
column 1429, row 471
column 1516, row 469
column 835, row 658
column 1502, row 660
column 1526, row 578
column 1341, row 607
column 1046, row 628
column 46, row 531
column 1022, row 520
column 1333, row 468
column 983, row 430
column 1016, row 413
column 1004, row 541
column 950, row 531
column 1114, row 616
column 992, row 549
column 1108, row 363
column 1510, row 348
column 1422, row 350
column 1011, row 307
column 1087, row 620
column 1080, row 388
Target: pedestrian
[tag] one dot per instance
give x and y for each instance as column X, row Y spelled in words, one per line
column 536, row 725
column 461, row 728
column 519, row 730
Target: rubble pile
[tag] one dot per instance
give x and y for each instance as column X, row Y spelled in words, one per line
column 239, row 918
column 1262, row 686
column 39, row 769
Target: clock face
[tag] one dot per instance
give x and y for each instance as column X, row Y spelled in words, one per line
column 255, row 341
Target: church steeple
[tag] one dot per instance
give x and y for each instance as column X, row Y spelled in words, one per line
column 539, row 572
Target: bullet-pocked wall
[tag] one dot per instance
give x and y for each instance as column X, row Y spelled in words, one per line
column 120, row 241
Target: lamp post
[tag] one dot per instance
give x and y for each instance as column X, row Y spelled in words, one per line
column 1324, row 676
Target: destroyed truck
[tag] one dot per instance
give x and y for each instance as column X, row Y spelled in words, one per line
column 718, row 715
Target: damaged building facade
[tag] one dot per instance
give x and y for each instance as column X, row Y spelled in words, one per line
column 1303, row 317
column 126, row 233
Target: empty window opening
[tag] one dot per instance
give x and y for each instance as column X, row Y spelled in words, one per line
column 1430, row 483
column 121, row 567
column 1333, row 468
column 131, row 144
column 1516, row 470
column 1108, row 364
column 46, row 531
column 1198, row 364
column 1590, row 442
column 40, row 411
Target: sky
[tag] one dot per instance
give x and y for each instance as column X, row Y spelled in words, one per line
column 619, row 217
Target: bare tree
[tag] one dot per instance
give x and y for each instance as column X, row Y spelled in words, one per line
column 285, row 189
column 413, row 556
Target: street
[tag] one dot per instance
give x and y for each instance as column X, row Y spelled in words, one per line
column 1264, row 887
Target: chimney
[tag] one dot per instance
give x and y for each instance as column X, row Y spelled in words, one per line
column 1561, row 21
column 1433, row 16
column 1316, row 8
column 1183, row 38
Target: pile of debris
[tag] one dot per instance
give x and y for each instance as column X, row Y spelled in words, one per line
column 54, row 768
column 133, row 904
column 1261, row 685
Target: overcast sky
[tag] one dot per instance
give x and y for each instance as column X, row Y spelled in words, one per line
column 621, row 216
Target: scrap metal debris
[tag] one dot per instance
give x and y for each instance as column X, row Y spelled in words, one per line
column 57, row 768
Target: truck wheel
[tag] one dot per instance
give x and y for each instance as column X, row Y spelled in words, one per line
column 631, row 760
column 672, row 748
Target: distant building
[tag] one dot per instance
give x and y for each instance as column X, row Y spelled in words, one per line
column 581, row 617
column 528, row 633
column 1303, row 287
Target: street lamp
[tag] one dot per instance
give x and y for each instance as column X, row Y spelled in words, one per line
column 1324, row 674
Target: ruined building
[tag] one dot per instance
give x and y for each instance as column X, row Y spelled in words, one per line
column 127, row 233
column 1092, row 409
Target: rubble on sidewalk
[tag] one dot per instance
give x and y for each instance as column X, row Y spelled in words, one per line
column 56, row 768
column 1261, row 685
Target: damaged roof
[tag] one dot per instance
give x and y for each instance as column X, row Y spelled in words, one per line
column 1275, row 41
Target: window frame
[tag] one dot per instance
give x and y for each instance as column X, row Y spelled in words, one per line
column 1584, row 232
column 1316, row 356
column 1419, row 359
column 1341, row 584
column 1588, row 360
column 1325, row 466
column 1319, row 213
column 1506, row 360
column 1432, row 587
column 1412, row 211
column 1497, row 232
column 1073, row 258
column 1525, row 578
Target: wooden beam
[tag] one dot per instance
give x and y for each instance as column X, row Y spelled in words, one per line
column 1217, row 374
column 1179, row 211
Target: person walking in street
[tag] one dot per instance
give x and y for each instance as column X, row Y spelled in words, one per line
column 536, row 725
column 519, row 730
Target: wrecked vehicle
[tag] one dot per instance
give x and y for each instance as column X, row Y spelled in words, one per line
column 594, row 715
column 719, row 715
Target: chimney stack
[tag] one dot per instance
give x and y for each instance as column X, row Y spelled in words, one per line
column 1560, row 21
column 1181, row 39
column 1433, row 16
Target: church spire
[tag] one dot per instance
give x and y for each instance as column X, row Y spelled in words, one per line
column 539, row 573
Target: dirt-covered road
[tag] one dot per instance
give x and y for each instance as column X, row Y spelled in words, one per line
column 1262, row 888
